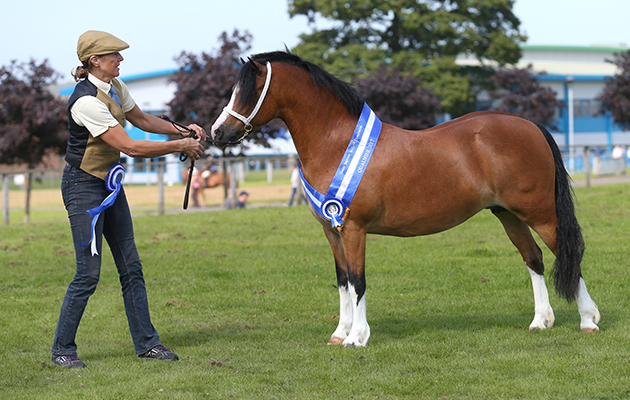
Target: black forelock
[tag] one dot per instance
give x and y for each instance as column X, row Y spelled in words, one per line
column 344, row 91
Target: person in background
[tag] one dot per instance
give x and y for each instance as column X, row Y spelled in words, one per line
column 242, row 199
column 98, row 110
column 295, row 185
column 197, row 186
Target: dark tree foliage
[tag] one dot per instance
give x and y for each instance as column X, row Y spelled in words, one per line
column 398, row 98
column 33, row 122
column 204, row 85
column 519, row 92
column 428, row 35
column 485, row 29
column 615, row 97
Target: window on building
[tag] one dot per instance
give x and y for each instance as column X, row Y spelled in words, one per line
column 586, row 108
column 154, row 163
column 595, row 106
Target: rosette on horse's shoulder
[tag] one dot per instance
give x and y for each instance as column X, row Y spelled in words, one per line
column 335, row 205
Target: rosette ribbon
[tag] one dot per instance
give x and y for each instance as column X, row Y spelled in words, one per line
column 334, row 205
column 113, row 183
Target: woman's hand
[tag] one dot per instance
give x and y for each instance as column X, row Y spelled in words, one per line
column 192, row 147
column 201, row 133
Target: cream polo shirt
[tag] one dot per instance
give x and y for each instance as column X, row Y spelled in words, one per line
column 90, row 112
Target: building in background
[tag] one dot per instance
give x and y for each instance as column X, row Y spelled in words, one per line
column 575, row 73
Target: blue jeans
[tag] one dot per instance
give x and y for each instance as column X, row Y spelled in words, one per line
column 82, row 191
column 294, row 191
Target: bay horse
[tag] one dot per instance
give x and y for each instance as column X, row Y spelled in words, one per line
column 215, row 179
column 417, row 182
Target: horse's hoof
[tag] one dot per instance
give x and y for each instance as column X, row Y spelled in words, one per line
column 590, row 330
column 335, row 341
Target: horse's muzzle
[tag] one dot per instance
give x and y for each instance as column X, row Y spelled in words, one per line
column 217, row 136
column 227, row 135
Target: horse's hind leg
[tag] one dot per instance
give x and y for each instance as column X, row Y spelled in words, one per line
column 589, row 313
column 522, row 238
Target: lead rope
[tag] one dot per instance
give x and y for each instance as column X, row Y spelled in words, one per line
column 183, row 157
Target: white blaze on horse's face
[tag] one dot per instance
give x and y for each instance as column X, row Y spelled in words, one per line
column 224, row 114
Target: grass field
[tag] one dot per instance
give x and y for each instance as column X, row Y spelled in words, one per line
column 247, row 298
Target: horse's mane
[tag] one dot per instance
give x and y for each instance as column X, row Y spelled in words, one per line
column 344, row 91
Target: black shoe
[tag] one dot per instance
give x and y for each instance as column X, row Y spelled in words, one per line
column 159, row 352
column 67, row 362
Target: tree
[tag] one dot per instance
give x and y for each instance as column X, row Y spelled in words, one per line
column 204, row 85
column 615, row 97
column 518, row 91
column 426, row 34
column 33, row 122
column 399, row 98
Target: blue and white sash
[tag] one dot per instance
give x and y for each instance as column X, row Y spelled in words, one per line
column 335, row 204
column 113, row 183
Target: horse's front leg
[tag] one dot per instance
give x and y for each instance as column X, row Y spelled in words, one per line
column 345, row 300
column 349, row 252
column 346, row 312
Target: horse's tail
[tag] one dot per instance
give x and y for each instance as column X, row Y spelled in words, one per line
column 569, row 240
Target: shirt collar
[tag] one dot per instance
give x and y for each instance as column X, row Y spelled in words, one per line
column 104, row 86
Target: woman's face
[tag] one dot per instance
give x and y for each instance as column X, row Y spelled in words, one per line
column 107, row 66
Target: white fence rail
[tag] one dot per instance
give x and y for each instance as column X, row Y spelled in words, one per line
column 592, row 160
column 237, row 168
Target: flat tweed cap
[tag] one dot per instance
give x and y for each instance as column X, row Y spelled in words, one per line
column 97, row 43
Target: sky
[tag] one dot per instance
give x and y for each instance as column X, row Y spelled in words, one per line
column 158, row 30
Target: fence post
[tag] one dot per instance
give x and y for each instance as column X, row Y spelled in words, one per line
column 587, row 165
column 160, row 181
column 147, row 171
column 27, row 207
column 269, row 167
column 226, row 178
column 241, row 171
column 233, row 184
column 5, row 196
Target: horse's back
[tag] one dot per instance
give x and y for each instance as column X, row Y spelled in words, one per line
column 434, row 179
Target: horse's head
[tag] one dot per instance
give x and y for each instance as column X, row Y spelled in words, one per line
column 241, row 116
column 253, row 103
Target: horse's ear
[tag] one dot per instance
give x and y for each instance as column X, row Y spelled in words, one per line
column 242, row 61
column 255, row 64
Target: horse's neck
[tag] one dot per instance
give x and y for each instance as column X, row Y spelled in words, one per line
column 321, row 138
column 319, row 123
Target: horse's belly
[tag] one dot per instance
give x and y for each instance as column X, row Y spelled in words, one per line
column 407, row 223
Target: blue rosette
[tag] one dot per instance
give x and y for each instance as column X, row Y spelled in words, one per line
column 335, row 204
column 333, row 210
column 113, row 183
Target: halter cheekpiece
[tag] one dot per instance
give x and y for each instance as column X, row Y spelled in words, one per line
column 247, row 121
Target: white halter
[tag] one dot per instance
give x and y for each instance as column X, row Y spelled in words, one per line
column 247, row 121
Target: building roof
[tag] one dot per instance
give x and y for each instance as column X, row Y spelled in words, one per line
column 67, row 90
column 564, row 60
column 571, row 60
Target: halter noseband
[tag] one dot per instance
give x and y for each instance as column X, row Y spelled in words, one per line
column 247, row 121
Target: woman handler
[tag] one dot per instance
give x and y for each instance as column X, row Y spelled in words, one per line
column 97, row 111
